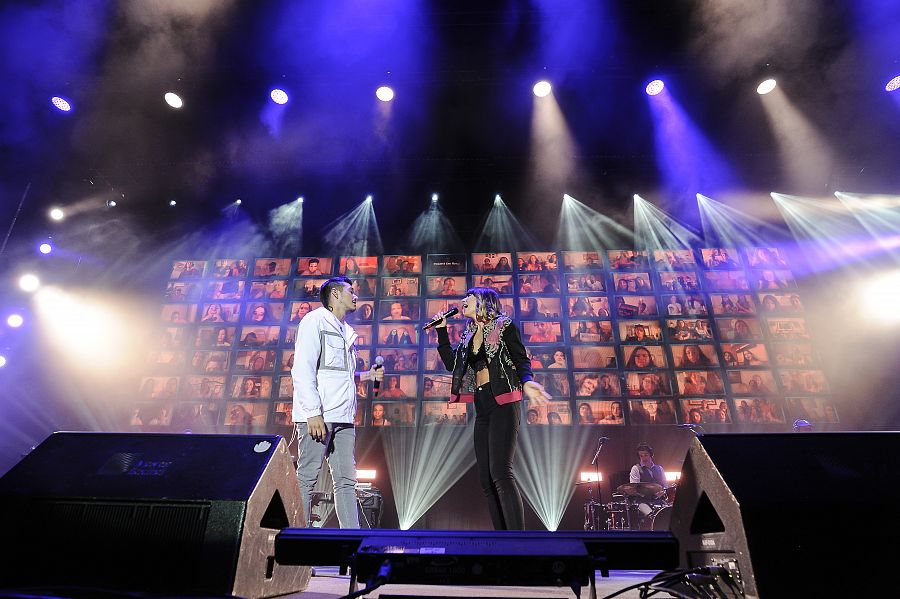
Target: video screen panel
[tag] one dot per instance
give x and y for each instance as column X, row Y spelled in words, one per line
column 624, row 337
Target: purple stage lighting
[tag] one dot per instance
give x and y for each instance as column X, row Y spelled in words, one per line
column 279, row 96
column 61, row 104
column 654, row 87
column 893, row 84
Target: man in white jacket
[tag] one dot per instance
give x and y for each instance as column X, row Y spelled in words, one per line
column 325, row 398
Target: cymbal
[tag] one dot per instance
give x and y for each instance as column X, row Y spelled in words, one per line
column 643, row 489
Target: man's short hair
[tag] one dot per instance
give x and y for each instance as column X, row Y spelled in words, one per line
column 645, row 447
column 313, row 261
column 330, row 284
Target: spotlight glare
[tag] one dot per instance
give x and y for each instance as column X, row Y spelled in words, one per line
column 15, row 320
column 61, row 104
column 655, row 87
column 893, row 84
column 172, row 202
column 57, row 214
column 542, row 89
column 111, row 204
column 498, row 199
column 384, row 93
column 238, row 201
column 434, row 197
column 2, row 361
column 45, row 248
column 369, row 199
column 279, row 96
column 174, row 100
column 29, row 282
column 300, row 199
column 883, row 293
column 765, row 87
column 365, row 474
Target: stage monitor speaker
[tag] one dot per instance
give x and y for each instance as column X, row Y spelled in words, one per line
column 792, row 515
column 168, row 513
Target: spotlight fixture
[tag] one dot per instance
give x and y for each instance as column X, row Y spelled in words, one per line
column 2, row 361
column 29, row 283
column 279, row 96
column 172, row 203
column 384, row 93
column 497, row 199
column 591, row 477
column 45, row 248
column 174, row 100
column 300, row 199
column 655, row 87
column 542, row 89
column 434, row 197
column 893, row 84
column 111, row 204
column 15, row 320
column 57, row 214
column 237, row 202
column 365, row 474
column 369, row 198
column 61, row 104
column 765, row 87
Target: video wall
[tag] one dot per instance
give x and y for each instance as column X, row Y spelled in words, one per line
column 714, row 336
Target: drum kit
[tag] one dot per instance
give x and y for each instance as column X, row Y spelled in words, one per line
column 634, row 506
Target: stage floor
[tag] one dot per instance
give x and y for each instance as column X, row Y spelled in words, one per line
column 329, row 584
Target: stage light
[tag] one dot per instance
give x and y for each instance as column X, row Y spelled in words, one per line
column 365, row 474
column 2, row 361
column 498, row 200
column 29, row 282
column 279, row 96
column 880, row 299
column 434, row 197
column 765, row 87
column 174, row 100
column 672, row 477
column 111, row 204
column 238, row 201
column 61, row 104
column 57, row 214
column 172, row 202
column 15, row 320
column 655, row 87
column 542, row 89
column 384, row 93
column 893, row 84
column 45, row 248
column 369, row 199
column 300, row 200
column 591, row 477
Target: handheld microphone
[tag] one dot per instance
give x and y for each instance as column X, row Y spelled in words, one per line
column 604, row 439
column 447, row 314
column 379, row 363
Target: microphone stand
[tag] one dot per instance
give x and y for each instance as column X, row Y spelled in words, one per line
column 596, row 463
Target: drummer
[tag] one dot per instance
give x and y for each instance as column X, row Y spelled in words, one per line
column 646, row 471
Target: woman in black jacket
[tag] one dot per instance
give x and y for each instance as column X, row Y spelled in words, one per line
column 490, row 367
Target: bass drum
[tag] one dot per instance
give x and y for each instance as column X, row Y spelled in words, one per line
column 662, row 518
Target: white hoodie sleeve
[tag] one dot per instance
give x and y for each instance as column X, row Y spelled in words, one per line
column 307, row 401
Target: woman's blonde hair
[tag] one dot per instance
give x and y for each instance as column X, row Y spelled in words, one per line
column 487, row 303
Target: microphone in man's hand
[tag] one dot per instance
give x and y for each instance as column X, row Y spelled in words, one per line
column 379, row 363
column 447, row 314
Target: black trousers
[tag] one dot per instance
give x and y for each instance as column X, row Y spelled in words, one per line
column 496, row 433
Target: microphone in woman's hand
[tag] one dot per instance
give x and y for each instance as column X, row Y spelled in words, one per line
column 436, row 320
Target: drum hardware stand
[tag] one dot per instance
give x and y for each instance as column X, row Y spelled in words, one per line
column 593, row 506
